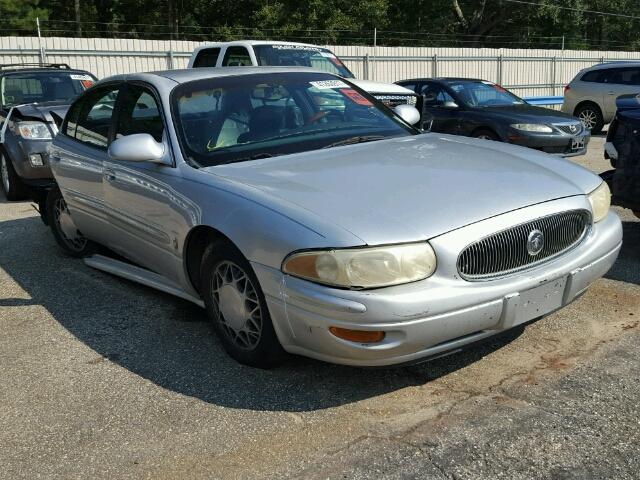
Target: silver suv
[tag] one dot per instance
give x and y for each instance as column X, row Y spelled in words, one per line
column 591, row 95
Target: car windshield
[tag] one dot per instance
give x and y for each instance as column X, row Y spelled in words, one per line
column 237, row 118
column 484, row 94
column 40, row 87
column 301, row 56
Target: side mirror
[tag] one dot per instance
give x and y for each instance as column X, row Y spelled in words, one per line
column 408, row 113
column 449, row 104
column 139, row 147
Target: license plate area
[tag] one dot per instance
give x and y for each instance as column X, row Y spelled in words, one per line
column 539, row 301
column 577, row 143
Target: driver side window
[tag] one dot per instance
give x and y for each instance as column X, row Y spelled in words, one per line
column 139, row 113
column 435, row 96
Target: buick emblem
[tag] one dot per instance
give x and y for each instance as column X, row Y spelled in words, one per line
column 535, row 242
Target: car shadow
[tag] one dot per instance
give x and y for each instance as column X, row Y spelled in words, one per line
column 169, row 342
column 627, row 268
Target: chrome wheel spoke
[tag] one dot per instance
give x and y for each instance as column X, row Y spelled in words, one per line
column 236, row 305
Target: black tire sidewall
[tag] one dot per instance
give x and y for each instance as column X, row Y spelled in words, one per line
column 89, row 248
column 17, row 190
column 268, row 353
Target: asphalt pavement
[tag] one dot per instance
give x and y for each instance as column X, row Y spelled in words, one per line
column 103, row 378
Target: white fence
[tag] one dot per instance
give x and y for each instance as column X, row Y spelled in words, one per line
column 529, row 72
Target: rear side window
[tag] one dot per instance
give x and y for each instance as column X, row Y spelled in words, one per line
column 594, row 76
column 236, row 57
column 207, row 57
column 89, row 119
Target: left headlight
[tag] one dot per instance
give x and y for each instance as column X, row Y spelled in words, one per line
column 532, row 127
column 368, row 267
column 600, row 200
column 33, row 130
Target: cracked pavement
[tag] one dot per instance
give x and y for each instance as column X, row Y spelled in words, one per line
column 103, row 378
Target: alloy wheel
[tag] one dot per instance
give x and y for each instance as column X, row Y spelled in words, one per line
column 589, row 118
column 64, row 224
column 236, row 305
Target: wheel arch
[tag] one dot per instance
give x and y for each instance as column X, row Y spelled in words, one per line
column 582, row 103
column 196, row 242
column 487, row 129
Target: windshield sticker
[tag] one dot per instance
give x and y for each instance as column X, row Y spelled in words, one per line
column 295, row 47
column 326, row 84
column 86, row 83
column 81, row 77
column 355, row 97
column 327, row 54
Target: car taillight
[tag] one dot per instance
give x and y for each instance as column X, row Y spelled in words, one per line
column 566, row 88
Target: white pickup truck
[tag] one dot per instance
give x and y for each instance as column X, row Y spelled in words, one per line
column 286, row 54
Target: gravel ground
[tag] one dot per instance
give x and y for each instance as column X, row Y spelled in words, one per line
column 102, row 378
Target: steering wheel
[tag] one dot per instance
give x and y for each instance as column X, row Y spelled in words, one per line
column 317, row 116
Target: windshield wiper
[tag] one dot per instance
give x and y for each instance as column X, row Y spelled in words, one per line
column 255, row 156
column 354, row 140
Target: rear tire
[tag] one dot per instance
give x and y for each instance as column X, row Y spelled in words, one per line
column 59, row 220
column 12, row 186
column 237, row 307
column 485, row 134
column 591, row 117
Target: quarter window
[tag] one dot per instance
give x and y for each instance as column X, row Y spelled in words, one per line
column 207, row 57
column 236, row 57
column 89, row 119
column 139, row 113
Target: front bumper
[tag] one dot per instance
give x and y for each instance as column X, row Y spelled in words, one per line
column 30, row 174
column 553, row 143
column 439, row 314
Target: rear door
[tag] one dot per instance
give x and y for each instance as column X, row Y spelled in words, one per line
column 620, row 81
column 77, row 158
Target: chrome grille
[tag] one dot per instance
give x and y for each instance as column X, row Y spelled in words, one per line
column 567, row 128
column 507, row 251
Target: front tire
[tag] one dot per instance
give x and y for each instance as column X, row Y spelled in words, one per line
column 485, row 134
column 71, row 240
column 237, row 307
column 591, row 117
column 12, row 186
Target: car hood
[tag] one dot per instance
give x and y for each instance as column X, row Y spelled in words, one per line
column 412, row 188
column 43, row 111
column 381, row 88
column 528, row 113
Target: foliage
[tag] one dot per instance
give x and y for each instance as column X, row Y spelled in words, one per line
column 470, row 23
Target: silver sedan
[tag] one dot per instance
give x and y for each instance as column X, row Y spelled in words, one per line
column 308, row 218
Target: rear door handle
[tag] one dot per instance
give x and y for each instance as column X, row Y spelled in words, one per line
column 109, row 175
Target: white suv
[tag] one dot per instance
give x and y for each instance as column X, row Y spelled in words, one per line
column 289, row 54
column 591, row 95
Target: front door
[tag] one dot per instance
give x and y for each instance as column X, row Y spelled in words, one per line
column 146, row 213
column 438, row 102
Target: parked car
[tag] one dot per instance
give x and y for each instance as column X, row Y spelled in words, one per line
column 290, row 54
column 622, row 148
column 591, row 95
column 482, row 109
column 306, row 217
column 32, row 97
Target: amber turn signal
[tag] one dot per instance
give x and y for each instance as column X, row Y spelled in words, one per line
column 360, row 336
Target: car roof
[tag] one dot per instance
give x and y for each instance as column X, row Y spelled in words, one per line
column 5, row 71
column 191, row 74
column 442, row 79
column 618, row 63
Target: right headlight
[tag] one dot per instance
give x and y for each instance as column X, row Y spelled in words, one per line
column 600, row 200
column 367, row 267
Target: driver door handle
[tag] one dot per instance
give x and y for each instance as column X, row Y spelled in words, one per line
column 109, row 175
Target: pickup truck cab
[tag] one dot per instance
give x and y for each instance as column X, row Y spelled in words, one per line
column 288, row 54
